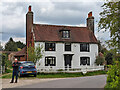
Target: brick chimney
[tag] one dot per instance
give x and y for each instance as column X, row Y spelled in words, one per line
column 29, row 25
column 90, row 22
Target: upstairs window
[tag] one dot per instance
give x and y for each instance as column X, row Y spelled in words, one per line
column 84, row 60
column 84, row 47
column 50, row 61
column 49, row 46
column 67, row 46
column 66, row 34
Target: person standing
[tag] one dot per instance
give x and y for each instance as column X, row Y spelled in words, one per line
column 15, row 66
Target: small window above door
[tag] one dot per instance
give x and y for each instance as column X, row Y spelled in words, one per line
column 67, row 46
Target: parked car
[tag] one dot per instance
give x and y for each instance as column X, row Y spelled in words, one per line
column 27, row 68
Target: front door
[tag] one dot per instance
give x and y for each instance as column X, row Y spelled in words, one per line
column 68, row 59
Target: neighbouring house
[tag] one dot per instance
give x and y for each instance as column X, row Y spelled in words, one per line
column 21, row 55
column 64, row 46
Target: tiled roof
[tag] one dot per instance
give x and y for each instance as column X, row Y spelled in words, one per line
column 21, row 52
column 44, row 32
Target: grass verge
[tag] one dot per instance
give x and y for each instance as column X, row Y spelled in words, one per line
column 58, row 75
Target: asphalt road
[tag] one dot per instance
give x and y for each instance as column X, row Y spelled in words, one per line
column 98, row 81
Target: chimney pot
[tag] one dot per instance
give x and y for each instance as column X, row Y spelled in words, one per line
column 29, row 8
column 89, row 14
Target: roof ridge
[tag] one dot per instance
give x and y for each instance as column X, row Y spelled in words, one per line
column 59, row 25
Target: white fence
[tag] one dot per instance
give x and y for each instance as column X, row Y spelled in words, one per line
column 53, row 69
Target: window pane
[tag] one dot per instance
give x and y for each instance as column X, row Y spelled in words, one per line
column 67, row 47
column 84, row 60
column 66, row 34
column 84, row 47
column 50, row 61
column 49, row 46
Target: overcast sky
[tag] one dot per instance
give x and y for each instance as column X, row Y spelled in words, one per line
column 13, row 16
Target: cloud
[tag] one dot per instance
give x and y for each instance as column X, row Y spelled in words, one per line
column 49, row 12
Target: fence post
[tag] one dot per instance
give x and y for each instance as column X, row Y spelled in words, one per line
column 67, row 67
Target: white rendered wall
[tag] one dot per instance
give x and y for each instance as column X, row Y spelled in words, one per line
column 75, row 49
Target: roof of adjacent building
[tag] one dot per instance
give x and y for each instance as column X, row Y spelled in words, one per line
column 21, row 52
column 44, row 32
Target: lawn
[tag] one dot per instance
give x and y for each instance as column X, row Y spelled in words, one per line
column 59, row 75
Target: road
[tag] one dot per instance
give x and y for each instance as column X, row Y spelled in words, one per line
column 98, row 81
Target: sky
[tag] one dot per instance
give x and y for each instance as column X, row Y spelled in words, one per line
column 60, row 12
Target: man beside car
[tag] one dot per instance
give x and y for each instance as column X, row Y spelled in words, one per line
column 15, row 66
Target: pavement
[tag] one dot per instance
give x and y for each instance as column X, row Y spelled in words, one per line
column 98, row 81
column 21, row 82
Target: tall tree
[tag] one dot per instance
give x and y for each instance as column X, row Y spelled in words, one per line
column 110, row 20
column 10, row 45
column 109, row 59
column 20, row 44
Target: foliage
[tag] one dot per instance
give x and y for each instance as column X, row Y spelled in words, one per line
column 19, row 49
column 20, row 44
column 8, row 71
column 10, row 45
column 113, row 79
column 5, row 61
column 100, row 60
column 102, row 47
column 34, row 54
column 109, row 58
column 110, row 20
column 7, row 76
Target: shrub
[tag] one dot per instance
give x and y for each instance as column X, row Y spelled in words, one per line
column 113, row 79
column 100, row 60
column 109, row 59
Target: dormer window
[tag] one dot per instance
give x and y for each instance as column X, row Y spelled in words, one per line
column 66, row 34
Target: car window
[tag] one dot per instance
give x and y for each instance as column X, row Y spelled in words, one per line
column 27, row 64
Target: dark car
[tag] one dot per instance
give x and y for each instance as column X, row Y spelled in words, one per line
column 27, row 68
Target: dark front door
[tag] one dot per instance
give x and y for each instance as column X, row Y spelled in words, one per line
column 68, row 59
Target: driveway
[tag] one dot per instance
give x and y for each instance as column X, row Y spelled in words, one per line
column 98, row 81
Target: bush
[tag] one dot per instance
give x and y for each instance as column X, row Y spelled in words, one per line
column 100, row 60
column 109, row 59
column 5, row 62
column 113, row 79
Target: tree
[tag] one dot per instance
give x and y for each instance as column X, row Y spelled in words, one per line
column 34, row 54
column 20, row 45
column 110, row 20
column 5, row 62
column 10, row 45
column 100, row 60
column 109, row 59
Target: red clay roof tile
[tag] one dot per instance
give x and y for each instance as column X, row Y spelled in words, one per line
column 44, row 32
column 21, row 52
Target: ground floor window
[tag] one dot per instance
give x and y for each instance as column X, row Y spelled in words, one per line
column 50, row 61
column 84, row 60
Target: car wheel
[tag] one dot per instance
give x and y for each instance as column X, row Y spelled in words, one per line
column 35, row 75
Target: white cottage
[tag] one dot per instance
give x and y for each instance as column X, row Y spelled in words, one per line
column 64, row 46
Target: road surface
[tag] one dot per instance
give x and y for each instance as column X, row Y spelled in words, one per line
column 98, row 81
